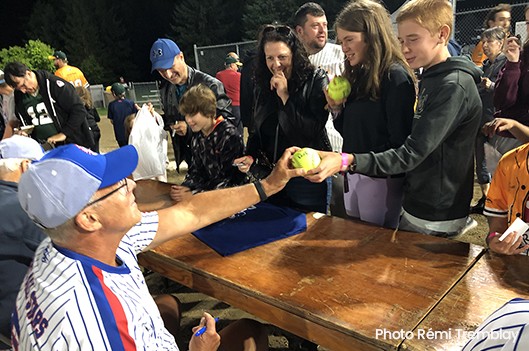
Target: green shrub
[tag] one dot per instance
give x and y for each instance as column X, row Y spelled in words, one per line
column 34, row 54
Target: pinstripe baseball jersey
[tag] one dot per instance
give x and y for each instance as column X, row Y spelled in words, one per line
column 504, row 330
column 73, row 302
column 330, row 59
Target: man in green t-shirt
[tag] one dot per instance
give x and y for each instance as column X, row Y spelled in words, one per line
column 36, row 109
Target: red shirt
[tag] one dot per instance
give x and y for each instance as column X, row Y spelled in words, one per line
column 232, row 83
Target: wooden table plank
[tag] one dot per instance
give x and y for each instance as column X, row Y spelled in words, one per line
column 493, row 281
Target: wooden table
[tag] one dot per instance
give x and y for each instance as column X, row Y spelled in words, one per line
column 494, row 280
column 337, row 284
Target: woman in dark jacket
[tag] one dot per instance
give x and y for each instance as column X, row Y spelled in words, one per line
column 289, row 109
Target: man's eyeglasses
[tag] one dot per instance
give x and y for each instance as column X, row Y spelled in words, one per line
column 122, row 183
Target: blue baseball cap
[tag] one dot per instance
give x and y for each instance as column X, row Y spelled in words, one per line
column 162, row 54
column 57, row 187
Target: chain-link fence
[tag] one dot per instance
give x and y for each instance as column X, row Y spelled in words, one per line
column 210, row 59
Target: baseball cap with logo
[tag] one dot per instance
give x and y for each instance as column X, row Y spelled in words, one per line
column 58, row 55
column 162, row 54
column 231, row 59
column 46, row 192
column 19, row 146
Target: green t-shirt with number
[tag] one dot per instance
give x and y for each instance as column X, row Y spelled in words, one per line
column 40, row 118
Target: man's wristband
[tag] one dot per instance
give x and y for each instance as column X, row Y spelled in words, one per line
column 260, row 190
column 490, row 236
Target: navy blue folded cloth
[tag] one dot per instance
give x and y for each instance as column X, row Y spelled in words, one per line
column 254, row 226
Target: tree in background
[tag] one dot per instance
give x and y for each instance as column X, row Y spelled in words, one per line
column 261, row 12
column 34, row 55
column 91, row 34
column 108, row 39
column 43, row 23
column 204, row 23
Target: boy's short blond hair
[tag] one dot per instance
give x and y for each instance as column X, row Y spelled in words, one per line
column 430, row 14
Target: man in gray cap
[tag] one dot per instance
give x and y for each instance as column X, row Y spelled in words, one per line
column 85, row 289
column 18, row 234
column 167, row 58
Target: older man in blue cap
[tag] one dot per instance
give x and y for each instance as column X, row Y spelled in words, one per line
column 167, row 58
column 18, row 234
column 85, row 289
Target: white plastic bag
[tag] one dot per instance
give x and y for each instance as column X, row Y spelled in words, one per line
column 149, row 139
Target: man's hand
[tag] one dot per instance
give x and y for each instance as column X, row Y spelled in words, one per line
column 210, row 340
column 180, row 192
column 509, row 245
column 282, row 172
column 331, row 163
column 486, row 83
column 180, row 128
column 243, row 163
column 56, row 138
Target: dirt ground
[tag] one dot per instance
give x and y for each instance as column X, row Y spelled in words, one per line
column 194, row 303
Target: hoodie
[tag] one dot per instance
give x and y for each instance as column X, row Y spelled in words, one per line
column 438, row 154
column 64, row 107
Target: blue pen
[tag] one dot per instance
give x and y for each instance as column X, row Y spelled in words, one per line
column 203, row 329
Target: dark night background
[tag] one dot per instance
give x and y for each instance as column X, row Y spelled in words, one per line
column 112, row 38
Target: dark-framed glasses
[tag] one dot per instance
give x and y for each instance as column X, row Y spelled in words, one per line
column 122, row 184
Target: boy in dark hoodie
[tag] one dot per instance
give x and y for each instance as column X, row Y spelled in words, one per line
column 438, row 154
